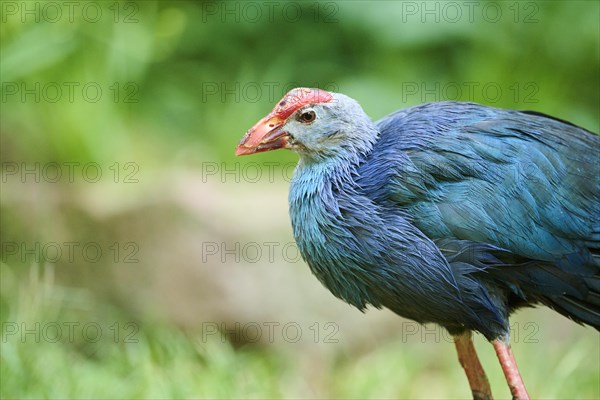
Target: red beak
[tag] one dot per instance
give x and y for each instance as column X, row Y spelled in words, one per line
column 266, row 135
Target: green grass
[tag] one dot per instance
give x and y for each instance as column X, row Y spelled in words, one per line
column 161, row 361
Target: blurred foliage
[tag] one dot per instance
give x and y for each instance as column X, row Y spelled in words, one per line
column 176, row 52
column 180, row 82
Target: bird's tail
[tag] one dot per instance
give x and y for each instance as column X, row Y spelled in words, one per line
column 584, row 305
column 570, row 287
column 585, row 311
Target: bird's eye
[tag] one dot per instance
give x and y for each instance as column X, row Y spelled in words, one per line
column 308, row 116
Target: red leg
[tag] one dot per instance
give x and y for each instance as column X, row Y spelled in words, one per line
column 480, row 387
column 511, row 372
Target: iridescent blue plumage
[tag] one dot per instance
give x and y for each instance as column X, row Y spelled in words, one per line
column 457, row 214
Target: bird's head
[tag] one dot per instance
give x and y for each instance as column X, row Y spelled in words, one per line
column 314, row 123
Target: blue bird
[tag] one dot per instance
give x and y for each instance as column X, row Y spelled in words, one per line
column 450, row 213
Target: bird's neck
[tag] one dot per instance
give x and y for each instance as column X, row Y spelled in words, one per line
column 321, row 195
column 321, row 178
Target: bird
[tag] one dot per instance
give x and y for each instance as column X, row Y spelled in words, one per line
column 453, row 213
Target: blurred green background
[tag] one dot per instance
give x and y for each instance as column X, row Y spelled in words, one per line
column 141, row 259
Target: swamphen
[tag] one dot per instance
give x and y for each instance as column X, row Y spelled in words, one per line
column 449, row 212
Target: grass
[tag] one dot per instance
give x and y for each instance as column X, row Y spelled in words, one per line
column 161, row 361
